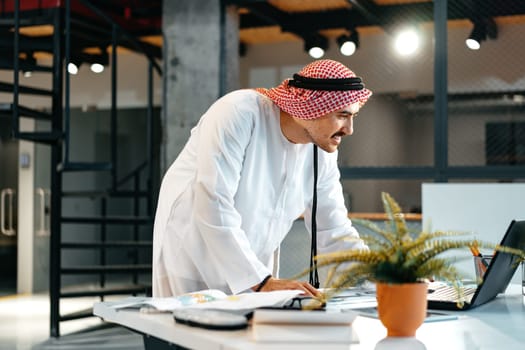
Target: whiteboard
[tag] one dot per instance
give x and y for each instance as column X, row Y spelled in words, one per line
column 483, row 209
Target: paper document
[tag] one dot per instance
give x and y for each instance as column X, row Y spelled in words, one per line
column 172, row 303
column 210, row 299
column 252, row 301
column 352, row 298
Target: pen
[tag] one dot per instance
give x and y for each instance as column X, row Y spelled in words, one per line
column 476, row 252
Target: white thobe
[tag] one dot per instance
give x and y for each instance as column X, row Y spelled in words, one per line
column 233, row 193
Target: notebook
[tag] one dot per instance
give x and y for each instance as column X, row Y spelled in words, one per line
column 495, row 281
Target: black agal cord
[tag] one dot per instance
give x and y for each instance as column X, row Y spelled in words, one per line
column 336, row 84
column 314, row 275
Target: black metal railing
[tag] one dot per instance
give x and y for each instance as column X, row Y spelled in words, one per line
column 133, row 187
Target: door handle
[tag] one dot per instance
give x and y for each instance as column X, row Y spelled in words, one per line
column 7, row 193
column 43, row 229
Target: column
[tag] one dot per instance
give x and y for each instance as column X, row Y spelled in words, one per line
column 201, row 63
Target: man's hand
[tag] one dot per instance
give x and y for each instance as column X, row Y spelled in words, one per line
column 284, row 284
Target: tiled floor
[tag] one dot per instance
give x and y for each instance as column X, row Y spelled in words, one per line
column 24, row 325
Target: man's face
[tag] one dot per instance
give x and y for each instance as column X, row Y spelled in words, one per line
column 327, row 131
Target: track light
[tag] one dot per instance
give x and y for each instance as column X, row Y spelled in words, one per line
column 98, row 62
column 316, row 45
column 72, row 68
column 97, row 68
column 477, row 35
column 482, row 29
column 74, row 64
column 348, row 44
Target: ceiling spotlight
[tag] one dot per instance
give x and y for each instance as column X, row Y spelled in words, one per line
column 72, row 68
column 407, row 42
column 348, row 44
column 316, row 52
column 477, row 35
column 316, row 46
column 97, row 68
column 482, row 29
column 97, row 62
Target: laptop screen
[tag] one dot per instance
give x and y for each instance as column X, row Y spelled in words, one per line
column 503, row 265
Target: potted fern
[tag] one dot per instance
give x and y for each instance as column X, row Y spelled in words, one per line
column 399, row 262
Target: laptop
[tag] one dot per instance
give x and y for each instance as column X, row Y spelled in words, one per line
column 495, row 281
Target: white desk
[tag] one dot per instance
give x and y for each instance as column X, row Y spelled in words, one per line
column 499, row 324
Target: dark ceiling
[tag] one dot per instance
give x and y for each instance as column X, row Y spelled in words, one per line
column 306, row 17
column 313, row 15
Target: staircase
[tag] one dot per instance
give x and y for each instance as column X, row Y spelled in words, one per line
column 106, row 249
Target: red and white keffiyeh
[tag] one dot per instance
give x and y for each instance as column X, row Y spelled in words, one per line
column 311, row 104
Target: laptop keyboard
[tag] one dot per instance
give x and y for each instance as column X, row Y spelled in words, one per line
column 448, row 293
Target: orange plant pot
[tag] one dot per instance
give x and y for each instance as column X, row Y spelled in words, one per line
column 402, row 308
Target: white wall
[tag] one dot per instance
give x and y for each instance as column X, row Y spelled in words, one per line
column 485, row 210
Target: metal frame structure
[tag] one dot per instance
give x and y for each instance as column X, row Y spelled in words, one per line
column 58, row 138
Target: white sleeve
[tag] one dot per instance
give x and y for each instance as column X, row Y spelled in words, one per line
column 332, row 219
column 224, row 134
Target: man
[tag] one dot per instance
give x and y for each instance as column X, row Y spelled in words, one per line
column 244, row 176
